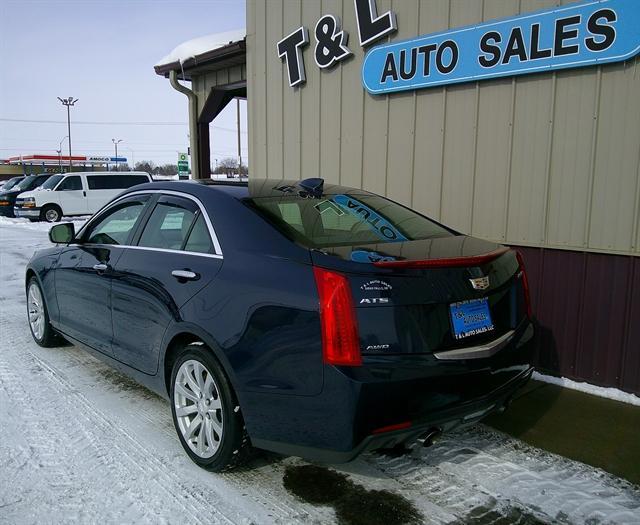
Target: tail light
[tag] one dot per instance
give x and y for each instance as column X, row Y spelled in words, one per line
column 340, row 341
column 525, row 283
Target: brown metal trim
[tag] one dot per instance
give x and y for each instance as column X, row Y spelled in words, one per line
column 587, row 308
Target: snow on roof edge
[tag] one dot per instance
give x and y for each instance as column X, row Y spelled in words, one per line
column 200, row 45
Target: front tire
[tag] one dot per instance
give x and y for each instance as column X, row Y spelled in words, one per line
column 205, row 411
column 51, row 213
column 41, row 330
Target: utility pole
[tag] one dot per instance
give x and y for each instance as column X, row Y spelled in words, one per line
column 238, row 126
column 68, row 102
column 115, row 143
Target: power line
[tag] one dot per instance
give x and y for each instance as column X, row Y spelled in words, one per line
column 112, row 123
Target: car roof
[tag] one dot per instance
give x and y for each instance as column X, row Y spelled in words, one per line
column 255, row 188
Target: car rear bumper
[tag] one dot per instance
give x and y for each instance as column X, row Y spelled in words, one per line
column 444, row 421
column 388, row 401
column 26, row 212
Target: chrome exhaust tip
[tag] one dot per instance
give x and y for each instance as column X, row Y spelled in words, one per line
column 432, row 436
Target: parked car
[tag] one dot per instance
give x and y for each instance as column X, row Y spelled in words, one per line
column 75, row 194
column 8, row 197
column 307, row 319
column 8, row 184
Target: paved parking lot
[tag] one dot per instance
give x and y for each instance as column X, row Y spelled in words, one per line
column 80, row 442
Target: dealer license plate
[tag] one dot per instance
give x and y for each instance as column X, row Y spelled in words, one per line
column 470, row 317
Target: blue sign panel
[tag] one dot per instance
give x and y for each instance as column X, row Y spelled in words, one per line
column 578, row 35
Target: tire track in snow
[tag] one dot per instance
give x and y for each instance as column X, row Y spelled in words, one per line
column 481, row 468
column 278, row 504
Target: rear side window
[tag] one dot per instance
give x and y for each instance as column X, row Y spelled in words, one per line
column 169, row 224
column 114, row 182
column 343, row 220
column 199, row 239
column 73, row 183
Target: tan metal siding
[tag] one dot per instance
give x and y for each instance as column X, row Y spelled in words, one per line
column 549, row 159
column 351, row 106
column 616, row 176
column 430, row 118
column 274, row 91
column 310, row 99
column 532, row 128
column 402, row 115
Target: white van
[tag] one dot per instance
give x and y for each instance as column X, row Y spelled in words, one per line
column 75, row 194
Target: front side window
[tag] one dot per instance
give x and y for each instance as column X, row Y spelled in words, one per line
column 117, row 224
column 73, row 183
column 169, row 224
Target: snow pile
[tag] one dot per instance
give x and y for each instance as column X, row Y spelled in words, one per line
column 40, row 226
column 203, row 44
column 609, row 393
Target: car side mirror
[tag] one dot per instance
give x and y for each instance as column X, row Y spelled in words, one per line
column 62, row 233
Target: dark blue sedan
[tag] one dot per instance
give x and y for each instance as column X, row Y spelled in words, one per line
column 294, row 316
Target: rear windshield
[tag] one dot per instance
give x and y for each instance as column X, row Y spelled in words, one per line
column 343, row 220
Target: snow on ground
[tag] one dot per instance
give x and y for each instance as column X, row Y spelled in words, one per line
column 609, row 393
column 80, row 442
column 38, row 226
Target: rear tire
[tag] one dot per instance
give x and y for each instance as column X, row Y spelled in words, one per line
column 206, row 413
column 51, row 213
column 38, row 316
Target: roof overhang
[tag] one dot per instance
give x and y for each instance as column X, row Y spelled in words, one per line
column 232, row 54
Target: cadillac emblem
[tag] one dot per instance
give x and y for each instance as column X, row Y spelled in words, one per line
column 480, row 283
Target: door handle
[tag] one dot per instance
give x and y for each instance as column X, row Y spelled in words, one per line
column 185, row 275
column 101, row 267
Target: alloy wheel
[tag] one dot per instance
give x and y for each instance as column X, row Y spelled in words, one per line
column 198, row 408
column 36, row 311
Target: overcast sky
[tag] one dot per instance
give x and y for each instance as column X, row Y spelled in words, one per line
column 103, row 52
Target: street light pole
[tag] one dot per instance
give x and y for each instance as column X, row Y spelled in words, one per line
column 68, row 102
column 115, row 143
column 59, row 150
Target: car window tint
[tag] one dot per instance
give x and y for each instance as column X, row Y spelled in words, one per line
column 167, row 227
column 114, row 182
column 199, row 239
column 290, row 212
column 115, row 226
column 343, row 219
column 69, row 184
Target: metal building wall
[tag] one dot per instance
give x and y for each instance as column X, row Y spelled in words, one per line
column 540, row 160
column 203, row 82
column 548, row 160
